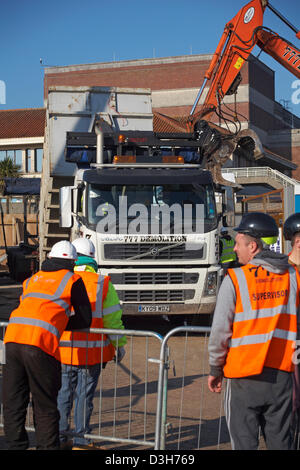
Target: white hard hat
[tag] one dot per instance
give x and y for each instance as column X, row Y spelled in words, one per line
column 85, row 247
column 224, row 230
column 63, row 249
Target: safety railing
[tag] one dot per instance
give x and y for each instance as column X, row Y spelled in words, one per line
column 261, row 172
column 125, row 401
column 157, row 397
column 199, row 422
column 189, row 415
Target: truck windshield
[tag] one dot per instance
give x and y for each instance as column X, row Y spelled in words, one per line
column 184, row 208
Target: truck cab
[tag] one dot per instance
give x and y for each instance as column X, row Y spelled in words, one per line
column 155, row 233
column 142, row 198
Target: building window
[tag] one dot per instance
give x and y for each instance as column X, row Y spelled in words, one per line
column 33, row 160
column 38, row 160
column 30, row 160
column 15, row 155
column 18, row 157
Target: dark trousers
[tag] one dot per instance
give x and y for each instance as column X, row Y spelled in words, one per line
column 28, row 369
column 262, row 401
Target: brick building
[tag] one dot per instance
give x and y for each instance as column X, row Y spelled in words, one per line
column 22, row 138
column 175, row 82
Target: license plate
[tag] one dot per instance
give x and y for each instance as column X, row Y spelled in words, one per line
column 153, row 308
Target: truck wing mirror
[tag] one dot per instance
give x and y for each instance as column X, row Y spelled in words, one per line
column 65, row 203
column 228, row 206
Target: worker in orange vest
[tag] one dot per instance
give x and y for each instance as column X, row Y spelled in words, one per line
column 84, row 355
column 31, row 341
column 291, row 232
column 252, row 338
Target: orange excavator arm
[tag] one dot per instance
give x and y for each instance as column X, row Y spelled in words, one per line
column 236, row 44
column 239, row 37
column 280, row 49
column 222, row 77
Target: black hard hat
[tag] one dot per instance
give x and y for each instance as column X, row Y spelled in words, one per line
column 258, row 225
column 291, row 226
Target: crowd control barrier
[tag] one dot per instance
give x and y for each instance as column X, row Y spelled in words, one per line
column 189, row 415
column 125, row 401
column 157, row 397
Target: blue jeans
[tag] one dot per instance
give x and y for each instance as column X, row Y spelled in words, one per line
column 79, row 384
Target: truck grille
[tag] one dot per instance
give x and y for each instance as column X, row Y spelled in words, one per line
column 150, row 251
column 153, row 278
column 156, row 296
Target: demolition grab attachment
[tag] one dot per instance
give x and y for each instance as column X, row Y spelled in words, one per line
column 216, row 148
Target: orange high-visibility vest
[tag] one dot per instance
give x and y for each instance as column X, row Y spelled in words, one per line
column 265, row 321
column 79, row 348
column 44, row 310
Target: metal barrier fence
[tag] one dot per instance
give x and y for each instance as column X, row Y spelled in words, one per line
column 125, row 403
column 199, row 422
column 189, row 415
column 157, row 397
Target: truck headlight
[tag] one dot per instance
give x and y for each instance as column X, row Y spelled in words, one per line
column 211, row 284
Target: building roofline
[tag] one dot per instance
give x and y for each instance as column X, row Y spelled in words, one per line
column 22, row 109
column 138, row 62
column 128, row 63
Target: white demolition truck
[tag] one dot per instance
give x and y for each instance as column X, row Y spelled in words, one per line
column 150, row 212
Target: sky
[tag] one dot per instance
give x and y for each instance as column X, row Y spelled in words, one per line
column 39, row 33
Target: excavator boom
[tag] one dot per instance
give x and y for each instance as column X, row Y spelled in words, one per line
column 234, row 48
column 280, row 49
column 222, row 77
column 239, row 37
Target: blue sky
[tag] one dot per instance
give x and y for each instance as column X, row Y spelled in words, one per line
column 65, row 32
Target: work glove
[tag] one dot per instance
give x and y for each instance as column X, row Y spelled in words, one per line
column 120, row 353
